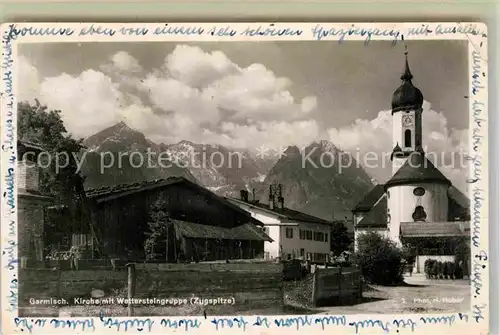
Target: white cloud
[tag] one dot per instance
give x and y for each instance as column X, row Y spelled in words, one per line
column 28, row 80
column 205, row 97
column 195, row 95
column 88, row 102
column 268, row 134
column 123, row 62
column 445, row 147
column 214, row 88
column 196, row 68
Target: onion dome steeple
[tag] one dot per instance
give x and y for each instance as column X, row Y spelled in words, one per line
column 407, row 96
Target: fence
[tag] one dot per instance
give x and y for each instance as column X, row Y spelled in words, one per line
column 336, row 286
column 253, row 286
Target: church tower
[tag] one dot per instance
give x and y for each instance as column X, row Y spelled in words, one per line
column 417, row 191
column 407, row 103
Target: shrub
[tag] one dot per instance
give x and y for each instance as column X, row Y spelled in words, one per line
column 440, row 270
column 443, row 270
column 434, row 269
column 379, row 259
column 459, row 274
column 427, row 268
column 451, row 270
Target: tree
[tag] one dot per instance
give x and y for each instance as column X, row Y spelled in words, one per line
column 379, row 259
column 45, row 127
column 156, row 243
column 340, row 239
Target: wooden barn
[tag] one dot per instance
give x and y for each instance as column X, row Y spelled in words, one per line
column 194, row 223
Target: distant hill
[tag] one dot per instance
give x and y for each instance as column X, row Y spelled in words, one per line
column 222, row 170
column 327, row 191
column 323, row 191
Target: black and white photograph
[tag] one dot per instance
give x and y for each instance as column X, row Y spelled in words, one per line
column 243, row 178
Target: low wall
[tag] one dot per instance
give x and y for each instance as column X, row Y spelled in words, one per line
column 336, row 286
column 66, row 264
column 252, row 285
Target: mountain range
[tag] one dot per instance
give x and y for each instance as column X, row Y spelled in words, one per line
column 327, row 190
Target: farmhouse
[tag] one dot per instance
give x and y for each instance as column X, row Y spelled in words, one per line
column 295, row 235
column 31, row 203
column 418, row 206
column 199, row 226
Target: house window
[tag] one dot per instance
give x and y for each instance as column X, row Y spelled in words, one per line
column 302, row 234
column 419, row 214
column 302, row 252
column 326, row 237
column 308, row 235
column 289, row 232
column 408, row 138
column 318, row 236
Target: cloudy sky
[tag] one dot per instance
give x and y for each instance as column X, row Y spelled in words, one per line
column 252, row 94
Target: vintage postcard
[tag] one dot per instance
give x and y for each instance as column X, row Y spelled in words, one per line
column 244, row 177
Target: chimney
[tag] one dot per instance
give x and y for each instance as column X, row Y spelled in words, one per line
column 28, row 175
column 244, row 195
column 271, row 197
column 281, row 200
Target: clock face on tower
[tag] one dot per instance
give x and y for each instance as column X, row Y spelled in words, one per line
column 407, row 120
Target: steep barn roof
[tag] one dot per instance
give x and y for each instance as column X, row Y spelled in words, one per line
column 246, row 231
column 114, row 192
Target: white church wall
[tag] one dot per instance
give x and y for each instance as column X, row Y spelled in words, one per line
column 402, row 203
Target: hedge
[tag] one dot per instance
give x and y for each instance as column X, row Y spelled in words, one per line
column 442, row 270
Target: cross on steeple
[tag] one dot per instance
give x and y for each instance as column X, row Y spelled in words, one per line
column 407, row 76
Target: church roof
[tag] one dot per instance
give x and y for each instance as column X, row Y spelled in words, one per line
column 434, row 229
column 407, row 96
column 461, row 199
column 370, row 199
column 377, row 217
column 417, row 168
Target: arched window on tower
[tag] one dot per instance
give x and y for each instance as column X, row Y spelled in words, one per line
column 407, row 138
